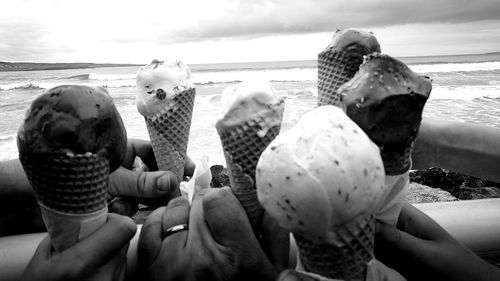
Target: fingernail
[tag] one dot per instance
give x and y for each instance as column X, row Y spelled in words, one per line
column 163, row 182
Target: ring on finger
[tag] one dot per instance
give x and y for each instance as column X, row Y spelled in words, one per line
column 175, row 228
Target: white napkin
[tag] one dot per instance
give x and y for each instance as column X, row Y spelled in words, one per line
column 201, row 179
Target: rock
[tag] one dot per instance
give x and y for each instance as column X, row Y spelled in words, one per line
column 418, row 193
column 220, row 176
column 459, row 185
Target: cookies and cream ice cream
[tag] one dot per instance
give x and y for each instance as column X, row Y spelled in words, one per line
column 165, row 97
column 158, row 82
column 323, row 180
column 251, row 119
column 340, row 60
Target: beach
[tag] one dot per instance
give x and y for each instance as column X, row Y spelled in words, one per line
column 465, row 88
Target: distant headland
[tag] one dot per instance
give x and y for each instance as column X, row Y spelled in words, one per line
column 27, row 66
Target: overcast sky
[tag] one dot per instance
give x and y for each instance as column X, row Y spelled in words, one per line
column 202, row 31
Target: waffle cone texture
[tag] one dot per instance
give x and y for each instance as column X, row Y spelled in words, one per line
column 334, row 69
column 69, row 184
column 347, row 258
column 169, row 132
column 242, row 146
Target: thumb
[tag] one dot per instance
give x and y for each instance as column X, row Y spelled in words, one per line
column 226, row 217
column 275, row 242
column 128, row 183
column 123, row 206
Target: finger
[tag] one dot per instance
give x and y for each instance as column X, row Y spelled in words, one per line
column 412, row 220
column 128, row 183
column 123, row 206
column 275, row 242
column 150, row 238
column 189, row 167
column 144, row 150
column 43, row 251
column 176, row 213
column 226, row 218
column 392, row 244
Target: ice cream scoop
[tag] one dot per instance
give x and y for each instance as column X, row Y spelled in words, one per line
column 248, row 99
column 165, row 97
column 340, row 60
column 323, row 180
column 386, row 99
column 158, row 82
column 251, row 119
column 73, row 120
column 72, row 138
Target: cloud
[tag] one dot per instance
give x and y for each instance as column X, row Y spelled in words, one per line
column 95, row 30
column 240, row 18
column 21, row 39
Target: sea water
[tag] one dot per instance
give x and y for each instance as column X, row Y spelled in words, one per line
column 465, row 88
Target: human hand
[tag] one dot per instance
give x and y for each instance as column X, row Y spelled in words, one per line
column 85, row 257
column 219, row 244
column 152, row 188
column 420, row 249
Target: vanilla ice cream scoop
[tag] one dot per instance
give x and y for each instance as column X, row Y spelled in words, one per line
column 158, row 82
column 244, row 101
column 320, row 175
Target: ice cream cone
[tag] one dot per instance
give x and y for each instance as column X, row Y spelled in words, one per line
column 165, row 97
column 242, row 146
column 345, row 259
column 71, row 140
column 386, row 99
column 323, row 180
column 169, row 132
column 338, row 63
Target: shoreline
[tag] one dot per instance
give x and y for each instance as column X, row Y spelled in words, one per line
column 34, row 66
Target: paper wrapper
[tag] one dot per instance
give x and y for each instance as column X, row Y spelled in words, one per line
column 72, row 194
column 346, row 257
column 391, row 206
column 334, row 69
column 169, row 132
column 201, row 179
column 242, row 147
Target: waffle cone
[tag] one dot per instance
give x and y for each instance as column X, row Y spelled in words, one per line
column 346, row 258
column 72, row 194
column 242, row 147
column 69, row 184
column 334, row 69
column 169, row 132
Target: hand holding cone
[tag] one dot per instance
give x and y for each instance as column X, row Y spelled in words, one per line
column 71, row 139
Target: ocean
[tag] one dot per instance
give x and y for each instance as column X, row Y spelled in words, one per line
column 465, row 88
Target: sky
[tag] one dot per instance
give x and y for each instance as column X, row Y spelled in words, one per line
column 211, row 31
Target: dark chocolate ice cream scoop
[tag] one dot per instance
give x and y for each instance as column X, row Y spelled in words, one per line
column 73, row 119
column 386, row 99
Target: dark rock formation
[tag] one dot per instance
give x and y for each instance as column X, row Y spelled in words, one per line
column 459, row 185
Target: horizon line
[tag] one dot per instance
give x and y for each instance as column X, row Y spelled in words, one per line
column 239, row 62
